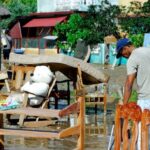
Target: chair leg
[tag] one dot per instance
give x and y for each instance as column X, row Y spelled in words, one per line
column 22, row 117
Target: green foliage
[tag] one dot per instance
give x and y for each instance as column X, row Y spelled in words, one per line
column 101, row 22
column 146, row 7
column 18, row 8
column 93, row 27
column 71, row 31
column 134, row 96
column 139, row 22
column 137, row 39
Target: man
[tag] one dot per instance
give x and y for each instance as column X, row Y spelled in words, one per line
column 8, row 46
column 137, row 68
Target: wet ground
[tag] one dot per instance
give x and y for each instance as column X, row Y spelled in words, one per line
column 94, row 143
column 96, row 138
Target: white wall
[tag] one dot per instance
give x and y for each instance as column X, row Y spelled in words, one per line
column 64, row 5
column 46, row 5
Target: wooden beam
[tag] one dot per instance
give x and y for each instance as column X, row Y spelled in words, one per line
column 69, row 131
column 73, row 108
column 39, row 123
column 27, row 133
column 45, row 113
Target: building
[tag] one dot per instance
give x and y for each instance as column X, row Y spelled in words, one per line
column 127, row 2
column 67, row 5
column 49, row 13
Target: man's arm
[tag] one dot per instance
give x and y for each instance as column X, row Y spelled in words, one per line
column 128, row 87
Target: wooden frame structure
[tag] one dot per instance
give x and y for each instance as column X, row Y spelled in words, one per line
column 44, row 104
column 96, row 99
column 127, row 112
column 79, row 129
column 20, row 75
column 76, row 130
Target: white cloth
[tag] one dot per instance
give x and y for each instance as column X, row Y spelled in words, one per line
column 144, row 104
column 138, row 62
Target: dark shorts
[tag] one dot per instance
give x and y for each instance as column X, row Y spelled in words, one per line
column 6, row 53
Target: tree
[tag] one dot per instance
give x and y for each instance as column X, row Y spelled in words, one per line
column 71, row 31
column 101, row 21
column 17, row 8
column 97, row 23
column 135, row 21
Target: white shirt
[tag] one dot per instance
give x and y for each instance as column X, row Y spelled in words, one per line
column 139, row 62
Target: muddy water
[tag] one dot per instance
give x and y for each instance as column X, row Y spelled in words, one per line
column 94, row 140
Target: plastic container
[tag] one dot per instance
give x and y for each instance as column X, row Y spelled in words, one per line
column 19, row 51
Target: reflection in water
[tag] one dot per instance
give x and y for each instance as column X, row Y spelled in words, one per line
column 96, row 142
column 97, row 130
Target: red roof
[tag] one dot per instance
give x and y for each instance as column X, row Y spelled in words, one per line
column 45, row 22
column 60, row 13
column 15, row 31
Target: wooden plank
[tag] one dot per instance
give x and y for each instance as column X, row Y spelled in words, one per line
column 33, row 112
column 1, row 136
column 81, row 122
column 145, row 122
column 36, row 124
column 18, row 74
column 69, row 131
column 94, row 103
column 18, row 79
column 73, row 108
column 94, row 95
column 29, row 133
column 24, row 105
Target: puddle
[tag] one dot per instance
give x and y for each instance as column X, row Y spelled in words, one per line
column 98, row 129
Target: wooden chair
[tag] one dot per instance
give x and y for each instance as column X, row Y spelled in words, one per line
column 44, row 104
column 60, row 94
column 97, row 97
column 79, row 129
column 20, row 75
column 128, row 112
column 94, row 99
column 145, row 122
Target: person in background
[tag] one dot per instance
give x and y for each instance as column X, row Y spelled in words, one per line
column 137, row 68
column 8, row 46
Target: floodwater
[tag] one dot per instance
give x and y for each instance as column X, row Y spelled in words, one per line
column 98, row 128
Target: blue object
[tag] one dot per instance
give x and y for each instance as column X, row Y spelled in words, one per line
column 18, row 51
column 120, row 44
column 146, row 42
column 99, row 56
